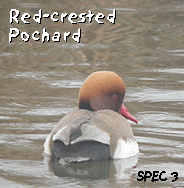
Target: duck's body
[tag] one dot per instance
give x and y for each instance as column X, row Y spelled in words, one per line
column 97, row 131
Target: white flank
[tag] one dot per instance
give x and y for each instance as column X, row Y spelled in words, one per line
column 126, row 149
column 47, row 144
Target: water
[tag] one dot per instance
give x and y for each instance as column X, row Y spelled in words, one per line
column 39, row 84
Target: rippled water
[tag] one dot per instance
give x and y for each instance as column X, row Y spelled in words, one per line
column 39, row 84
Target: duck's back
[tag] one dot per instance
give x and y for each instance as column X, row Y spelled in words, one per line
column 85, row 135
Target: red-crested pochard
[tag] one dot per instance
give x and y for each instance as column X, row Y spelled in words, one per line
column 98, row 130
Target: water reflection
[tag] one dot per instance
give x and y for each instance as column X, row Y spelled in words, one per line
column 95, row 170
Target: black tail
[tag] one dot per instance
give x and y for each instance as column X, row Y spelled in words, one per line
column 81, row 151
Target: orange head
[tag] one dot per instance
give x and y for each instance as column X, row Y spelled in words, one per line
column 104, row 90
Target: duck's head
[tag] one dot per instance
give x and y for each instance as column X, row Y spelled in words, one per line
column 104, row 90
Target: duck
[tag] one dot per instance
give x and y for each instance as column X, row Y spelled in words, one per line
column 99, row 129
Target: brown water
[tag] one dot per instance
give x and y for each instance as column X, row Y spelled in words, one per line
column 39, row 84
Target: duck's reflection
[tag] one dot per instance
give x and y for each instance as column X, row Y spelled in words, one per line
column 92, row 170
